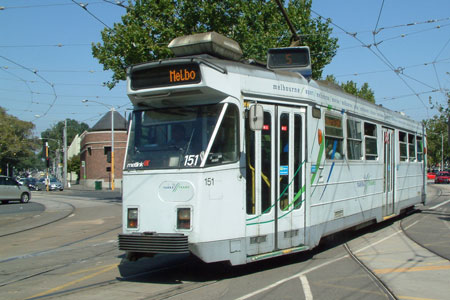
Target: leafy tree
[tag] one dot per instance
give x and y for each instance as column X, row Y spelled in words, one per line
column 365, row 92
column 16, row 141
column 437, row 135
column 74, row 165
column 55, row 138
column 257, row 25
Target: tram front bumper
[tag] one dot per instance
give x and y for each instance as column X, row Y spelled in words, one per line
column 168, row 243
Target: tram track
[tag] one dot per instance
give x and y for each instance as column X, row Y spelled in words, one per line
column 179, row 289
column 376, row 279
column 381, row 285
column 409, row 236
column 72, row 210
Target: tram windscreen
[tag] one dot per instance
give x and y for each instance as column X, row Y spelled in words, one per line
column 178, row 137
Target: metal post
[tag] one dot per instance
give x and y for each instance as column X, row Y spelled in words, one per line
column 65, row 155
column 112, row 148
column 46, row 157
column 442, row 152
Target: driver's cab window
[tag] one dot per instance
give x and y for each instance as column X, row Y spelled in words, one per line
column 226, row 144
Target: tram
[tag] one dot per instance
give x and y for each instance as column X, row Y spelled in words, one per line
column 239, row 161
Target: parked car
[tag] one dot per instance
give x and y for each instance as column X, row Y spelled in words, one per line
column 11, row 189
column 442, row 177
column 54, row 184
column 30, row 182
column 431, row 175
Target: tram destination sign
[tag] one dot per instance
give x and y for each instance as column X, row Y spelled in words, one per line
column 166, row 75
column 291, row 57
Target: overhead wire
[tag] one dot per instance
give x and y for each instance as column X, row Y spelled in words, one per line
column 84, row 6
column 55, row 97
column 382, row 58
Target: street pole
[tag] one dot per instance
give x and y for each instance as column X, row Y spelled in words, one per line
column 442, row 152
column 65, row 155
column 112, row 148
column 46, row 157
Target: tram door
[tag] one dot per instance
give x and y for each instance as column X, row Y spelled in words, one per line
column 274, row 181
column 389, row 172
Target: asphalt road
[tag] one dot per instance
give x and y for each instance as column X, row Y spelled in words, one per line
column 69, row 251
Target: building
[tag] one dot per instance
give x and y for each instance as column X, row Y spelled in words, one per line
column 95, row 152
column 73, row 150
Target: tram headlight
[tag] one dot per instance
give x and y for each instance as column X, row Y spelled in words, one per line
column 132, row 218
column 183, row 218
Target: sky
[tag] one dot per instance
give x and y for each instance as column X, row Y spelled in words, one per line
column 47, row 67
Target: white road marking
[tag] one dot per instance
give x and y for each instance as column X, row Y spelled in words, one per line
column 318, row 266
column 439, row 205
column 306, row 288
column 290, row 278
column 386, row 238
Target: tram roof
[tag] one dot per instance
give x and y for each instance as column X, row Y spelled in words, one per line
column 259, row 70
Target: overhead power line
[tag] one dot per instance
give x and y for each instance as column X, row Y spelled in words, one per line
column 84, row 6
column 380, row 56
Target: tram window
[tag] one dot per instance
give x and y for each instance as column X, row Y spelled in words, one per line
column 419, row 149
column 226, row 144
column 412, row 146
column 250, row 168
column 354, row 142
column 333, row 137
column 266, row 164
column 403, row 146
column 284, row 160
column 297, row 160
column 370, row 137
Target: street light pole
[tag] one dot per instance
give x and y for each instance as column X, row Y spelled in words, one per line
column 112, row 148
column 442, row 152
column 65, row 154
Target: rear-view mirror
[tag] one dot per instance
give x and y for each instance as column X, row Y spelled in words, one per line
column 256, row 117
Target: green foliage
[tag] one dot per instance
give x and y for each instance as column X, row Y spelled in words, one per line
column 365, row 92
column 437, row 135
column 257, row 25
column 74, row 165
column 16, row 141
column 55, row 133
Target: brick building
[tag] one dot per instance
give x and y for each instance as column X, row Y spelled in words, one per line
column 95, row 152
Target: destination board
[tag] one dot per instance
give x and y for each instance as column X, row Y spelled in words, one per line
column 160, row 76
column 288, row 57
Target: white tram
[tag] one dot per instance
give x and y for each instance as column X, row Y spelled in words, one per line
column 237, row 161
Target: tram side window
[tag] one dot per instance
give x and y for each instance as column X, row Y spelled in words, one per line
column 370, row 137
column 333, row 137
column 412, row 146
column 419, row 149
column 354, row 141
column 403, row 146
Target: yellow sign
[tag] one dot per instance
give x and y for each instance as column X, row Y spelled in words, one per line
column 182, row 75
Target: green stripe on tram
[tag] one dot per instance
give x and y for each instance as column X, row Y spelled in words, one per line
column 297, row 195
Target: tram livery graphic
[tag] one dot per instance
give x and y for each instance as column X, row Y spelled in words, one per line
column 238, row 161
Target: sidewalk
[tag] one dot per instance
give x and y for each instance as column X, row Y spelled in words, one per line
column 80, row 187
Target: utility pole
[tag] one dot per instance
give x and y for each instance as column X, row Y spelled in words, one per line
column 112, row 148
column 442, row 152
column 65, row 155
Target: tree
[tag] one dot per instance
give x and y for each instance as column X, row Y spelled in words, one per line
column 16, row 141
column 257, row 25
column 54, row 134
column 351, row 87
column 437, row 134
column 74, row 165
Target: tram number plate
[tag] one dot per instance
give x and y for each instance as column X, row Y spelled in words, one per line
column 209, row 181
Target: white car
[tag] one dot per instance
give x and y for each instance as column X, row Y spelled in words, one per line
column 11, row 189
